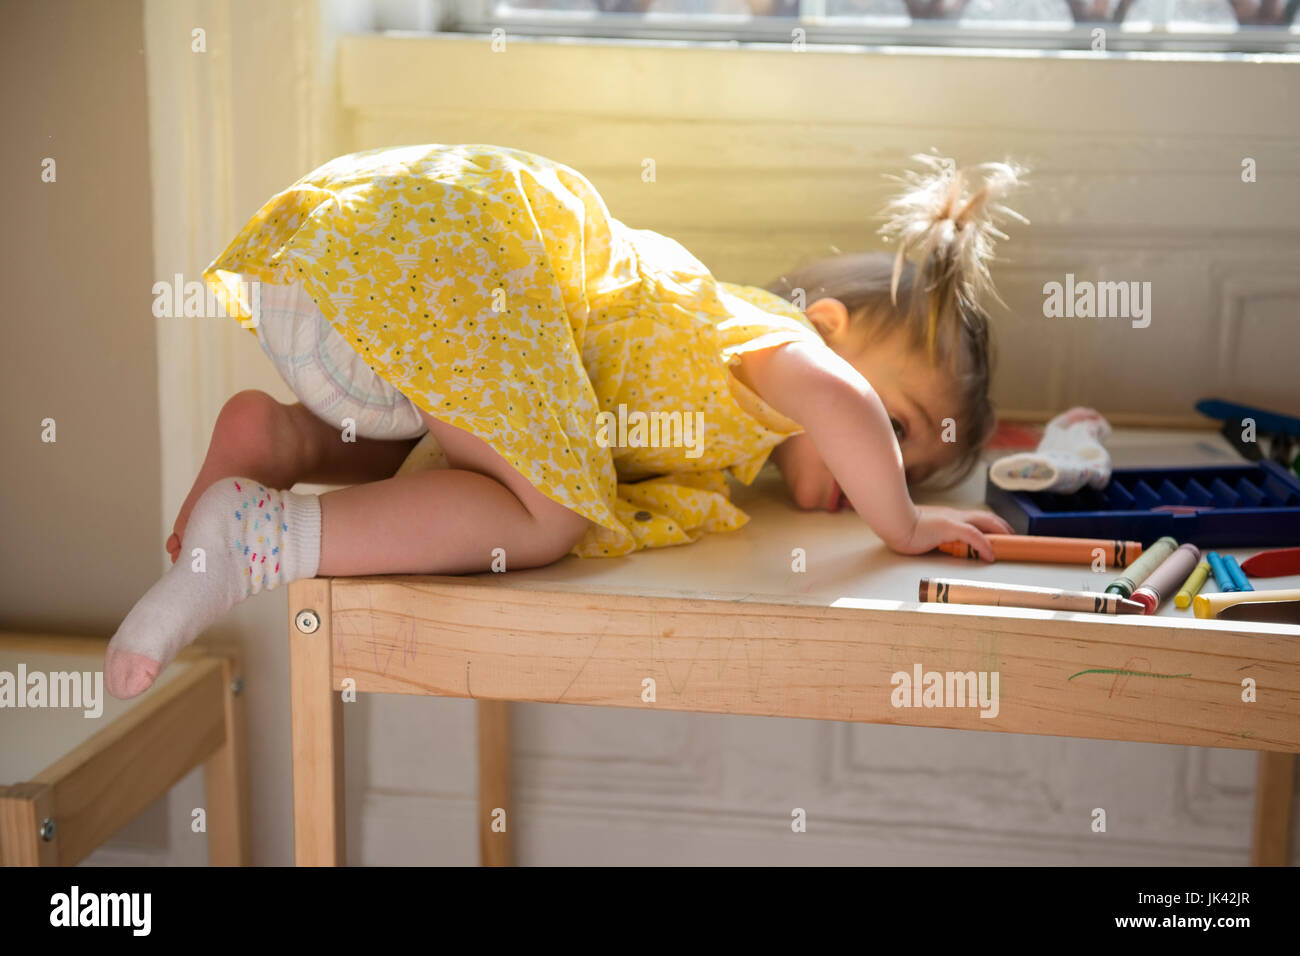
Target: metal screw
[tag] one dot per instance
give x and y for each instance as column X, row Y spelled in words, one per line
column 47, row 829
column 237, row 686
column 307, row 622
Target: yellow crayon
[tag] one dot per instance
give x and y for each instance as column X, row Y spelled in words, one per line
column 1192, row 586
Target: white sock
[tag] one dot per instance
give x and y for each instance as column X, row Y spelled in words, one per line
column 1069, row 456
column 252, row 538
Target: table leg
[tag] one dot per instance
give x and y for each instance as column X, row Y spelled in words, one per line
column 1274, row 788
column 495, row 815
column 316, row 714
column 230, row 833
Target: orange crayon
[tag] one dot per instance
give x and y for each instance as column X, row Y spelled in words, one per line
column 1033, row 547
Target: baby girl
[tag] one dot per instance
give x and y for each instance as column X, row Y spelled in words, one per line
column 483, row 301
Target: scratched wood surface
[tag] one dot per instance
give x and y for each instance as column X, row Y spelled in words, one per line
column 727, row 625
column 1058, row 674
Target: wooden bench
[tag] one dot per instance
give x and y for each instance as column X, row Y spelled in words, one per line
column 78, row 780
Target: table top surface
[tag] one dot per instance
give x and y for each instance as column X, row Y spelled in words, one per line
column 848, row 565
column 31, row 739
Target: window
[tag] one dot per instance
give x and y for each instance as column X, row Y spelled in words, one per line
column 1088, row 25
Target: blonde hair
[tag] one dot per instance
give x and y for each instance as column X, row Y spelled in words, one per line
column 947, row 218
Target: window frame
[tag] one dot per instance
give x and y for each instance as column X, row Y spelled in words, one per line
column 1044, row 37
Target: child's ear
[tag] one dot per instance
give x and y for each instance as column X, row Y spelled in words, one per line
column 829, row 317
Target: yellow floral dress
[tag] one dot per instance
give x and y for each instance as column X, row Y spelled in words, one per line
column 493, row 288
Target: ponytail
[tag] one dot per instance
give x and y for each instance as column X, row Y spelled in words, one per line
column 949, row 216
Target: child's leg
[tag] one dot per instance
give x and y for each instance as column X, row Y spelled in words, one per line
column 257, row 445
column 280, row 445
column 447, row 521
column 243, row 536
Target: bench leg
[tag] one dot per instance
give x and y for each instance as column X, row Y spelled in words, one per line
column 494, row 810
column 316, row 714
column 225, row 775
column 1274, row 787
column 23, row 807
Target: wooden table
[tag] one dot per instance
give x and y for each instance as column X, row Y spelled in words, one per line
column 726, row 625
column 81, row 779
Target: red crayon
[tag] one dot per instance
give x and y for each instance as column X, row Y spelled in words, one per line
column 1273, row 564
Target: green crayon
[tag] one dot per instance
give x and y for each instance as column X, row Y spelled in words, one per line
column 1141, row 569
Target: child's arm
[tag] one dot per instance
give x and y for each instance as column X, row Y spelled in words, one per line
column 844, row 417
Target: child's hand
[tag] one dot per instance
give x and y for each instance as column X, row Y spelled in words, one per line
column 935, row 526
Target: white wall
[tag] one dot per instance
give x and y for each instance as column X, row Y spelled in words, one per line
column 763, row 157
column 76, row 318
column 76, row 262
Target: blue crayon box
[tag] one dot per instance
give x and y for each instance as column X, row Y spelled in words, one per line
column 1220, row 506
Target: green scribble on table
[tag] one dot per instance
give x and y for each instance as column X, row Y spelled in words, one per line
column 1120, row 671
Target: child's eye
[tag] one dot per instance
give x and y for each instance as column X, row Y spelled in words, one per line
column 898, row 427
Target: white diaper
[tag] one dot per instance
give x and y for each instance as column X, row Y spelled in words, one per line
column 326, row 373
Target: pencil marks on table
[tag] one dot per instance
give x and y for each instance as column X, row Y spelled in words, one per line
column 404, row 640
column 600, row 636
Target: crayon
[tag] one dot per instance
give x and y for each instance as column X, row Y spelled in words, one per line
column 1137, row 572
column 1192, row 586
column 1221, row 576
column 1162, row 581
column 1263, row 419
column 955, row 591
column 1235, row 572
column 1034, row 547
column 1275, row 563
column 1262, row 612
column 1208, row 605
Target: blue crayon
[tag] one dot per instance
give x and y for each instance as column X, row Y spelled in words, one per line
column 1239, row 579
column 1221, row 576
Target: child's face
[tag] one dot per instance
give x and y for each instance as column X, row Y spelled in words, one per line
column 917, row 396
